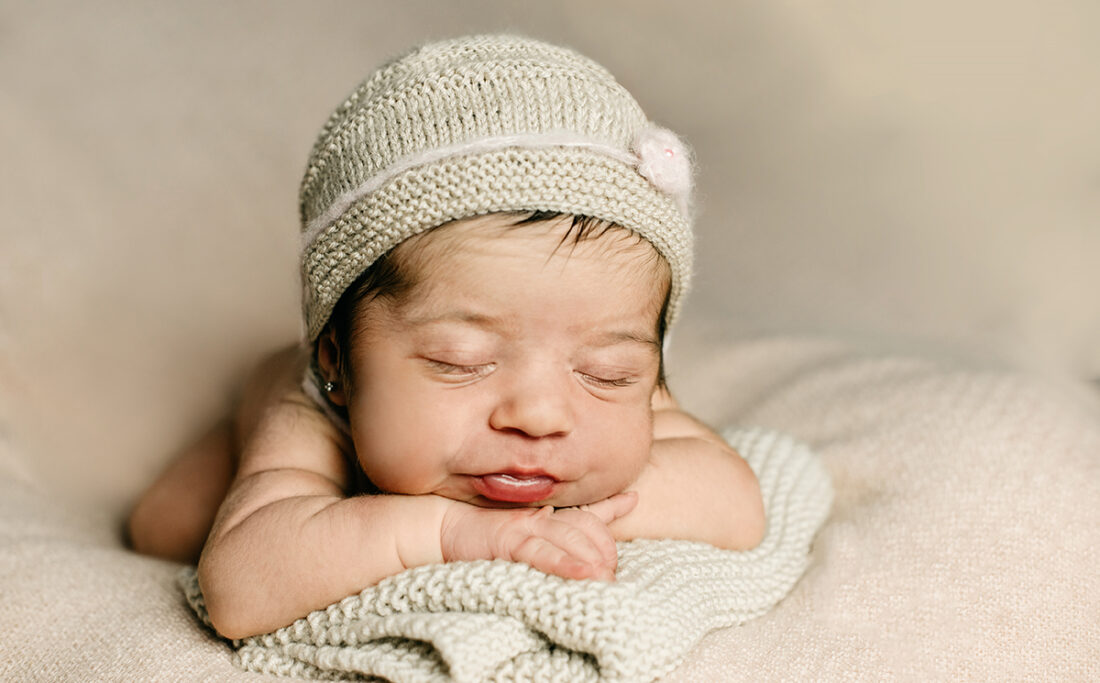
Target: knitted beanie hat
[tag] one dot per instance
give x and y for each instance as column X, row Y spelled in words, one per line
column 478, row 125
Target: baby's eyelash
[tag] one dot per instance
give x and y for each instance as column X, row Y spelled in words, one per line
column 459, row 370
column 617, row 382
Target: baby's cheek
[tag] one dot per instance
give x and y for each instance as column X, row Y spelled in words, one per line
column 628, row 453
column 389, row 463
column 636, row 459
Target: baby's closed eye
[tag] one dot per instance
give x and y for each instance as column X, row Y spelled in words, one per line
column 617, row 367
column 608, row 377
column 460, row 371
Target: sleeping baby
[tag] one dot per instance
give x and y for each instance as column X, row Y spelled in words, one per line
column 495, row 241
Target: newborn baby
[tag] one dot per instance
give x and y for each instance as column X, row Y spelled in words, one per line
column 495, row 240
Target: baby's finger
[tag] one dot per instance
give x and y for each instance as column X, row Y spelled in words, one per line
column 595, row 532
column 575, row 532
column 547, row 557
column 610, row 509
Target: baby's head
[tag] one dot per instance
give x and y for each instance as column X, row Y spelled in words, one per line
column 495, row 241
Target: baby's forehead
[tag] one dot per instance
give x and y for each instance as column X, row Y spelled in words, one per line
column 597, row 252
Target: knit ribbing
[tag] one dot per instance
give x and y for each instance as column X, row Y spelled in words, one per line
column 470, row 148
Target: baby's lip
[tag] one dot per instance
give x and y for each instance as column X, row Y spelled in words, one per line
column 515, row 487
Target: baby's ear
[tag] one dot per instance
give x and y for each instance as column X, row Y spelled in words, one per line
column 328, row 362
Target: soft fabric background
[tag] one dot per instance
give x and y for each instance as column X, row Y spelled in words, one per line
column 910, row 180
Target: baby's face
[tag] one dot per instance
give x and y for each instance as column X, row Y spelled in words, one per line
column 518, row 370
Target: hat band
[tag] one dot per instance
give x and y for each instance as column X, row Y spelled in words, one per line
column 479, row 146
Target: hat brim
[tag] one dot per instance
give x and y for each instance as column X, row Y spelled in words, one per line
column 571, row 181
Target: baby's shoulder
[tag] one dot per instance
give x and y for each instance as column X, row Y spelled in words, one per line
column 281, row 427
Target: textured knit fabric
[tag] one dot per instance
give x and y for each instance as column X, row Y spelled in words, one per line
column 502, row 621
column 479, row 125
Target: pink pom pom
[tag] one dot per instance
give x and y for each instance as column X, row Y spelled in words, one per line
column 664, row 161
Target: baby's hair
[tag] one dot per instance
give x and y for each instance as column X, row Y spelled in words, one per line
column 388, row 278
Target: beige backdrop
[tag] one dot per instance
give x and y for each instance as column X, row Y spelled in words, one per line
column 897, row 197
column 914, row 176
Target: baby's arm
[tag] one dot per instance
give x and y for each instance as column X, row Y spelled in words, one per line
column 287, row 540
column 695, row 486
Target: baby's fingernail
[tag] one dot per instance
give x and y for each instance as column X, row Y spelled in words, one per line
column 580, row 570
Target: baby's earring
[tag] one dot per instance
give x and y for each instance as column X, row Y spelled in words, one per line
column 329, row 387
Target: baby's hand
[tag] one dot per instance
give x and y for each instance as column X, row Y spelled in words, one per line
column 573, row 543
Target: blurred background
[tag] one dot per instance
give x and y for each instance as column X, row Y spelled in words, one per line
column 919, row 177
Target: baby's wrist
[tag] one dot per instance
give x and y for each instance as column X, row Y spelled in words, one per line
column 454, row 528
column 421, row 541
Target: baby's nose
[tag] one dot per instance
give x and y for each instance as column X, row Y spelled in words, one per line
column 534, row 408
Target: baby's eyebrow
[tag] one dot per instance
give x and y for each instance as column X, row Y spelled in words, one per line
column 479, row 319
column 613, row 337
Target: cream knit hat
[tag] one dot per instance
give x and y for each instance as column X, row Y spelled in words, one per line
column 479, row 125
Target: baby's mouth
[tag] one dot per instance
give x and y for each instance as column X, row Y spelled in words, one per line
column 515, row 488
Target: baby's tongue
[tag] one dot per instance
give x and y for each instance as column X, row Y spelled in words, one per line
column 514, row 488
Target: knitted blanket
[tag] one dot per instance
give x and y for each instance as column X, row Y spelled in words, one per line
column 504, row 621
